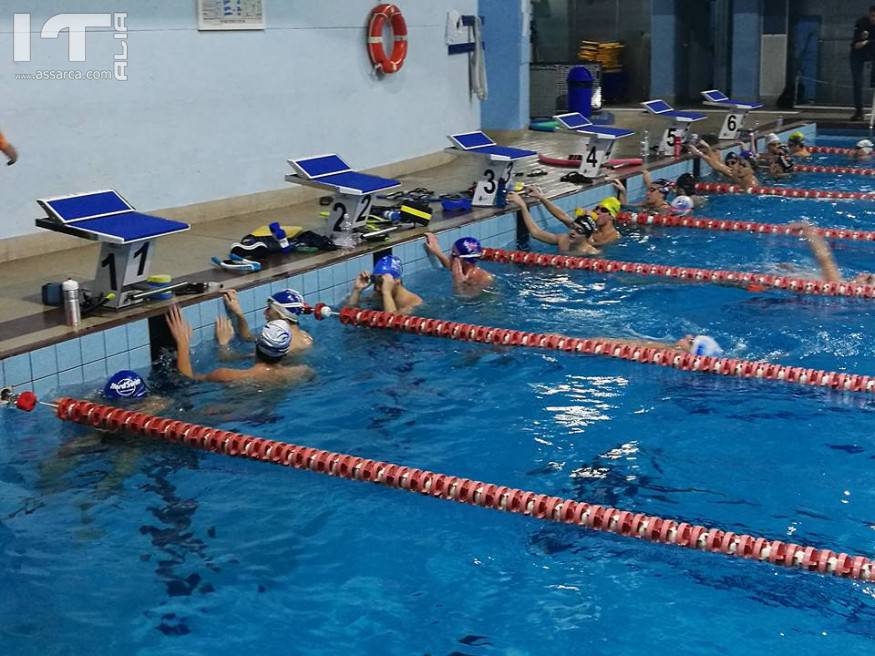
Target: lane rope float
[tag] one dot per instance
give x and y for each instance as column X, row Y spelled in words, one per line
column 788, row 192
column 607, row 519
column 830, row 150
column 665, row 357
column 744, row 279
column 730, row 225
column 815, row 168
column 380, row 15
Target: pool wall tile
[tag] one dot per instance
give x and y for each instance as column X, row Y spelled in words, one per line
column 70, row 354
column 116, row 339
column 209, row 310
column 46, row 385
column 92, row 347
column 140, row 359
column 94, row 371
column 117, row 362
column 72, row 376
column 43, row 362
column 138, row 334
column 16, row 370
column 247, row 300
column 324, row 278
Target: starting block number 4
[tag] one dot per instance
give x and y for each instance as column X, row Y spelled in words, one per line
column 594, row 155
column 494, row 178
column 731, row 125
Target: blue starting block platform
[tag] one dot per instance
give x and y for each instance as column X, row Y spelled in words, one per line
column 491, row 188
column 737, row 111
column 596, row 141
column 680, row 122
column 353, row 193
column 126, row 236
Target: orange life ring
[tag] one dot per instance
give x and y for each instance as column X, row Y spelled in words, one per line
column 379, row 16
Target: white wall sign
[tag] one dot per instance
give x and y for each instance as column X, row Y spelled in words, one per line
column 230, row 14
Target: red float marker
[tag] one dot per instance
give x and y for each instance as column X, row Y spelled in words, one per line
column 813, row 168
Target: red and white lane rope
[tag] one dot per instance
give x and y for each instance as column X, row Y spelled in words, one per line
column 814, row 168
column 830, row 150
column 746, row 279
column 664, row 357
column 787, row 192
column 729, row 225
column 472, row 492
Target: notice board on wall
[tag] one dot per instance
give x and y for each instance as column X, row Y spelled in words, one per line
column 230, row 14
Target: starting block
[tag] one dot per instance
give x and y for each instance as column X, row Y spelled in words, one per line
column 353, row 194
column 679, row 126
column 126, row 238
column 738, row 110
column 493, row 185
column 596, row 142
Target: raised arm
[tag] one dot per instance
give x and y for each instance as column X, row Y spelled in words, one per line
column 181, row 331
column 536, row 193
column 232, row 304
column 533, row 228
column 712, row 159
column 822, row 253
column 433, row 247
column 361, row 282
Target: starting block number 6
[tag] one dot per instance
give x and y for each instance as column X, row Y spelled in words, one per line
column 731, row 125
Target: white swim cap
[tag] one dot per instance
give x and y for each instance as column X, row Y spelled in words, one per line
column 705, row 345
column 275, row 339
column 772, row 138
column 866, row 145
column 682, row 205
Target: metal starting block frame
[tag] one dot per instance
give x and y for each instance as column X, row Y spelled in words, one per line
column 596, row 142
column 738, row 109
column 680, row 123
column 353, row 194
column 126, row 238
column 492, row 186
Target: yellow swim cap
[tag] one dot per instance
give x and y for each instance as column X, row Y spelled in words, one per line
column 611, row 204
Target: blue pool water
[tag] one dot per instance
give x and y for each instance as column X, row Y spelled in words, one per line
column 126, row 546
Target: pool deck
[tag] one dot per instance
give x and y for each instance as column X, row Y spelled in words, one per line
column 26, row 324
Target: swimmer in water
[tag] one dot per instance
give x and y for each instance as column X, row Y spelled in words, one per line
column 286, row 305
column 685, row 185
column 862, row 152
column 681, row 205
column 271, row 347
column 603, row 215
column 390, row 294
column 581, row 230
column 781, row 165
column 825, row 259
column 703, row 345
column 796, row 143
column 740, row 169
column 468, row 278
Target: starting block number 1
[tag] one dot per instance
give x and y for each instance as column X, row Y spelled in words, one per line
column 488, row 186
column 122, row 265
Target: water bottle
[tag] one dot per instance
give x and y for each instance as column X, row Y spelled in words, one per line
column 280, row 235
column 780, row 122
column 645, row 145
column 70, row 290
column 392, row 215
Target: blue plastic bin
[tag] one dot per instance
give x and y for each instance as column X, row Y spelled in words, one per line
column 580, row 90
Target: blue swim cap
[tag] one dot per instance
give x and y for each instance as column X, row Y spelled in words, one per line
column 388, row 264
column 288, row 303
column 275, row 339
column 125, row 385
column 468, row 248
column 730, row 156
column 749, row 155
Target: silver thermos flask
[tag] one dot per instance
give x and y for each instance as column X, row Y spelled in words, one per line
column 70, row 288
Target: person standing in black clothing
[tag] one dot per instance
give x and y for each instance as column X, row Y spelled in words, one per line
column 862, row 50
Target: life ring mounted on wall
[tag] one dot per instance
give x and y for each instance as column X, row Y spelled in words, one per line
column 379, row 15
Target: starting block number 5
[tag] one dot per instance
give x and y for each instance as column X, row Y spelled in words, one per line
column 668, row 137
column 493, row 179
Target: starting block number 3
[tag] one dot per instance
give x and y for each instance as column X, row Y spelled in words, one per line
column 493, row 179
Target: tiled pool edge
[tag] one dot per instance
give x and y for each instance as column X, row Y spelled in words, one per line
column 92, row 357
